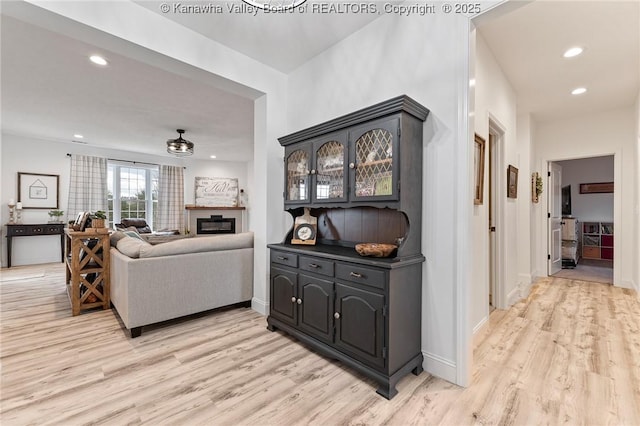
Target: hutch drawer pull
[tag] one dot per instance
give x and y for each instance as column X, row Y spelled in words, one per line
column 355, row 274
column 313, row 265
column 299, row 301
column 336, row 315
column 293, row 300
column 282, row 258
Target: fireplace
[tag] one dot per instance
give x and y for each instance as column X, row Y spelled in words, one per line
column 216, row 224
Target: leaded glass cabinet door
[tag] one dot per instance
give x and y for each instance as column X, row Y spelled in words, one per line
column 297, row 176
column 374, row 161
column 330, row 183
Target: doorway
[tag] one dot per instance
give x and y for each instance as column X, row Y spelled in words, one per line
column 587, row 248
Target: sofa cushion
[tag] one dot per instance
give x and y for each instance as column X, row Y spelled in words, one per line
column 131, row 247
column 199, row 245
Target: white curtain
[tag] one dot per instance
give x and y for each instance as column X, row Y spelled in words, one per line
column 170, row 198
column 88, row 185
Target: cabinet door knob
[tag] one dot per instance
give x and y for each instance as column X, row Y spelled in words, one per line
column 352, row 165
column 299, row 301
column 313, row 171
column 336, row 315
column 293, row 300
column 355, row 274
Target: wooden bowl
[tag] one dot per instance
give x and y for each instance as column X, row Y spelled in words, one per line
column 375, row 249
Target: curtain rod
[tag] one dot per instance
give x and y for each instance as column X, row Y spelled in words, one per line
column 128, row 161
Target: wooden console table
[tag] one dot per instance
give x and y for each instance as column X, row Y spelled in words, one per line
column 30, row 230
column 88, row 274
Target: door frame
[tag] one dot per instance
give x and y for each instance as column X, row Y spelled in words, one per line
column 550, row 195
column 543, row 242
column 497, row 132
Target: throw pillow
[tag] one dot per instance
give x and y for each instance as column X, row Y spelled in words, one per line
column 115, row 237
column 130, row 246
column 132, row 232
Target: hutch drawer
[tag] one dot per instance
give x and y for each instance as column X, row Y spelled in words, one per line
column 361, row 275
column 317, row 265
column 282, row 258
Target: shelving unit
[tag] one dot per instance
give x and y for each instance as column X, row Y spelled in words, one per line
column 597, row 240
column 87, row 275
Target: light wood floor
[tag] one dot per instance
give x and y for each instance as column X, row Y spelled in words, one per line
column 569, row 354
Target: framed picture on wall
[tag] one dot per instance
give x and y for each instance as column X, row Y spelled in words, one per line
column 596, row 188
column 478, row 169
column 38, row 191
column 512, row 182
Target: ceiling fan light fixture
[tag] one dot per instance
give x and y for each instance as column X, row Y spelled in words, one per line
column 180, row 147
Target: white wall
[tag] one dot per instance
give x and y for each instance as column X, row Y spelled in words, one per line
column 589, row 207
column 49, row 157
column 636, row 252
column 605, row 133
column 424, row 59
column 495, row 100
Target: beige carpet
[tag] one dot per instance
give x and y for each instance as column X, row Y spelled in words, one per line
column 18, row 274
column 600, row 271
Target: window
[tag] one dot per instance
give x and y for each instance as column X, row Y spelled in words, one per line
column 133, row 192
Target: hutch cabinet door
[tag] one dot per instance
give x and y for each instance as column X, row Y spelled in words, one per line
column 360, row 324
column 315, row 310
column 329, row 168
column 374, row 172
column 284, row 296
column 297, row 174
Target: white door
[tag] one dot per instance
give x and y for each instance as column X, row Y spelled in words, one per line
column 555, row 218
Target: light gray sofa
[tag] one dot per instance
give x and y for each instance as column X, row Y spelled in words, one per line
column 154, row 283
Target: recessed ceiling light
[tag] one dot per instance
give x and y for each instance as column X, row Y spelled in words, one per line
column 213, row 156
column 79, row 136
column 574, row 51
column 578, row 91
column 99, row 60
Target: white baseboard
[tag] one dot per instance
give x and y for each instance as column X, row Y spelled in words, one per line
column 513, row 296
column 480, row 331
column 439, row 367
column 526, row 281
column 260, row 306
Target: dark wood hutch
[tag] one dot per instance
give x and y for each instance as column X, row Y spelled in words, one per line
column 361, row 176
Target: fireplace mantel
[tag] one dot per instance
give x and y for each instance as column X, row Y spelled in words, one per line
column 194, row 207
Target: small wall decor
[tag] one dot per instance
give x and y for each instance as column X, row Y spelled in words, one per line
column 216, row 192
column 478, row 169
column 38, row 191
column 512, row 182
column 536, row 187
column 596, row 188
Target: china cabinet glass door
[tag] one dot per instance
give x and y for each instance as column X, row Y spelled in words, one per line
column 297, row 176
column 374, row 174
column 330, row 177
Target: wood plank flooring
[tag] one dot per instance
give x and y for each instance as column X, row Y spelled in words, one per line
column 569, row 354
